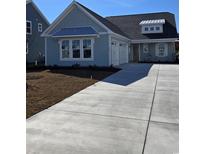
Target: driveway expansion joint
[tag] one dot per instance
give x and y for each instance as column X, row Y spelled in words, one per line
column 95, row 114
column 151, row 110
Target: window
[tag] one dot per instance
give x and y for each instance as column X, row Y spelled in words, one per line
column 87, row 48
column 151, row 28
column 40, row 27
column 157, row 28
column 145, row 48
column 161, row 50
column 65, row 49
column 28, row 27
column 146, row 29
column 76, row 48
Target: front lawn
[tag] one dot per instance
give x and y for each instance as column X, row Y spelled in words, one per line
column 49, row 86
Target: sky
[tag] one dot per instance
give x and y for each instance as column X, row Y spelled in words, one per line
column 52, row 8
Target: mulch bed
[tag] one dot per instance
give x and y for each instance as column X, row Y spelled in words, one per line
column 45, row 88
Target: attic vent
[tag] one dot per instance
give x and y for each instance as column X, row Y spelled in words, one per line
column 156, row 21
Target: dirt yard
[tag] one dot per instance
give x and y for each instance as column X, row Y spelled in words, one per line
column 48, row 87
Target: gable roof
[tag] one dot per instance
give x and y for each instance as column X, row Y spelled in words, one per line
column 38, row 10
column 130, row 24
column 103, row 21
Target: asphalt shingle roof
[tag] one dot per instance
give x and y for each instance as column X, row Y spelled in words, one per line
column 106, row 22
column 75, row 31
column 130, row 25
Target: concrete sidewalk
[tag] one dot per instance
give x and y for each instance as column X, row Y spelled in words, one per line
column 133, row 111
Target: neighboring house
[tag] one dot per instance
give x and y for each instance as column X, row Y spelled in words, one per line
column 36, row 23
column 80, row 36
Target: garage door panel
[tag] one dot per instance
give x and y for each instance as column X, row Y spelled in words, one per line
column 119, row 52
column 115, row 53
column 123, row 52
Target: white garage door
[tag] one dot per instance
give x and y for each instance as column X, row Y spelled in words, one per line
column 115, row 53
column 123, row 53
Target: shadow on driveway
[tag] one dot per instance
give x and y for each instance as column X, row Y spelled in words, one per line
column 129, row 74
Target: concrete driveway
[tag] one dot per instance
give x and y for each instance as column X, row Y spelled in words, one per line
column 134, row 111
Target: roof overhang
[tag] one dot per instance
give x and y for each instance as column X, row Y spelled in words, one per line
column 154, row 40
column 67, row 11
column 152, row 22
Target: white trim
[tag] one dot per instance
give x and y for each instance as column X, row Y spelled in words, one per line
column 38, row 10
column 92, row 17
column 67, row 11
column 103, row 33
column 154, row 40
column 151, row 22
column 91, row 48
column 58, row 20
column 81, row 50
column 40, row 27
column 72, row 36
column 30, row 27
column 46, row 62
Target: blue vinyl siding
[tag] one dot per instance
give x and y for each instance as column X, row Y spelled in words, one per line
column 151, row 56
column 77, row 18
column 36, row 43
column 101, row 57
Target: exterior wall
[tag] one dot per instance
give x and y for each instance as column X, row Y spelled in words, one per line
column 77, row 18
column 36, row 44
column 100, row 53
column 151, row 57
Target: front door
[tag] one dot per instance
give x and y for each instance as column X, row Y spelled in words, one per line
column 135, row 53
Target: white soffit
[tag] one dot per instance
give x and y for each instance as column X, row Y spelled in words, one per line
column 149, row 22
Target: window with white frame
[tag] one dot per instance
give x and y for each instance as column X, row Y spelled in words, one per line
column 40, row 27
column 161, row 50
column 28, row 27
column 87, row 48
column 65, row 50
column 76, row 48
column 80, row 49
column 145, row 48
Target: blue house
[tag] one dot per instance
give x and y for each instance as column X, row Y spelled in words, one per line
column 80, row 36
column 36, row 23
